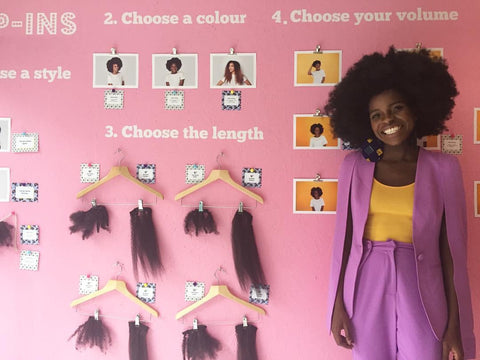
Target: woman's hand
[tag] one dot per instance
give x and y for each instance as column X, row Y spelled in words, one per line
column 452, row 344
column 341, row 321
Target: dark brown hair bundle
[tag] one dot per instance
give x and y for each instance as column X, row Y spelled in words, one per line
column 200, row 220
column 245, row 253
column 198, row 344
column 137, row 342
column 92, row 333
column 6, row 238
column 144, row 242
column 87, row 221
column 246, row 342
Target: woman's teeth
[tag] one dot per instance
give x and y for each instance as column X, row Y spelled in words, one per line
column 391, row 130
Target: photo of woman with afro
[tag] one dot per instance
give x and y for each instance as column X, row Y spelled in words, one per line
column 115, row 78
column 233, row 75
column 399, row 285
column 317, row 140
column 175, row 78
column 317, row 203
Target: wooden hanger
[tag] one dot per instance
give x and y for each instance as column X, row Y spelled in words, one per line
column 114, row 172
column 215, row 175
column 119, row 286
column 216, row 290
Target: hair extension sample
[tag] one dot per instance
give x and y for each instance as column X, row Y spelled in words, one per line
column 200, row 220
column 87, row 221
column 245, row 253
column 198, row 344
column 246, row 342
column 92, row 333
column 137, row 342
column 6, row 238
column 144, row 242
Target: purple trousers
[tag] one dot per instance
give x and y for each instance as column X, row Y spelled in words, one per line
column 389, row 321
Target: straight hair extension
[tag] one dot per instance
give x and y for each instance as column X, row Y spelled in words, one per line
column 245, row 253
column 6, row 238
column 144, row 242
column 87, row 221
column 92, row 333
column 200, row 220
column 137, row 342
column 246, row 342
column 198, row 344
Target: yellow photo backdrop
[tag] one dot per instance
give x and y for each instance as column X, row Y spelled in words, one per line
column 331, row 64
column 302, row 195
column 302, row 124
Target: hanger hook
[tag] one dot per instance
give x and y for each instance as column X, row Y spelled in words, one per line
column 215, row 274
column 218, row 161
column 118, row 265
column 120, row 151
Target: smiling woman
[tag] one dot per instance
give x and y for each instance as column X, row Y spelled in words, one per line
column 392, row 100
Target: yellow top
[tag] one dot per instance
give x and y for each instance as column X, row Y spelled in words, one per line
column 390, row 213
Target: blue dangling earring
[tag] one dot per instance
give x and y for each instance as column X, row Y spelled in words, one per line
column 372, row 149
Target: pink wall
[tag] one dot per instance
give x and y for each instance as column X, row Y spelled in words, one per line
column 69, row 116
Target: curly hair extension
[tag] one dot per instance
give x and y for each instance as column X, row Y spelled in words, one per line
column 424, row 81
column 92, row 333
column 197, row 344
column 200, row 220
column 6, row 238
column 137, row 341
column 246, row 342
column 144, row 242
column 87, row 221
column 245, row 253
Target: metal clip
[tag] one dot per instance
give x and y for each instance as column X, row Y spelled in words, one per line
column 137, row 320
column 232, row 51
column 95, row 315
column 245, row 322
column 94, row 202
column 240, row 207
column 200, row 206
column 318, row 49
column 140, row 204
column 174, row 51
column 195, row 324
column 113, row 51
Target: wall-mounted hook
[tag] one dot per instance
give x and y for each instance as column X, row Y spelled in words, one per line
column 318, row 112
column 317, row 177
column 232, row 51
column 318, row 49
column 174, row 51
column 113, row 51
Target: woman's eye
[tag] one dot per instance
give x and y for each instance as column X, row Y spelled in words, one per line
column 374, row 116
column 398, row 107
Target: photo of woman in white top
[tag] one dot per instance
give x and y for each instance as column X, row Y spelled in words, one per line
column 233, row 75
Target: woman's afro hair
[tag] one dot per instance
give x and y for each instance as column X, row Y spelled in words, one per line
column 172, row 61
column 315, row 189
column 112, row 61
column 422, row 79
column 317, row 125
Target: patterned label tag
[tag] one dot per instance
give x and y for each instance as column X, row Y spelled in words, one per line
column 88, row 284
column 25, row 192
column 146, row 173
column 231, row 100
column 452, row 144
column 174, row 100
column 194, row 290
column 89, row 173
column 146, row 292
column 259, row 294
column 113, row 99
column 194, row 173
column 252, row 177
column 25, row 142
column 29, row 234
column 29, row 260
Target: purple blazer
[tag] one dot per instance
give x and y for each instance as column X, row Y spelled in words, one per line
column 438, row 188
